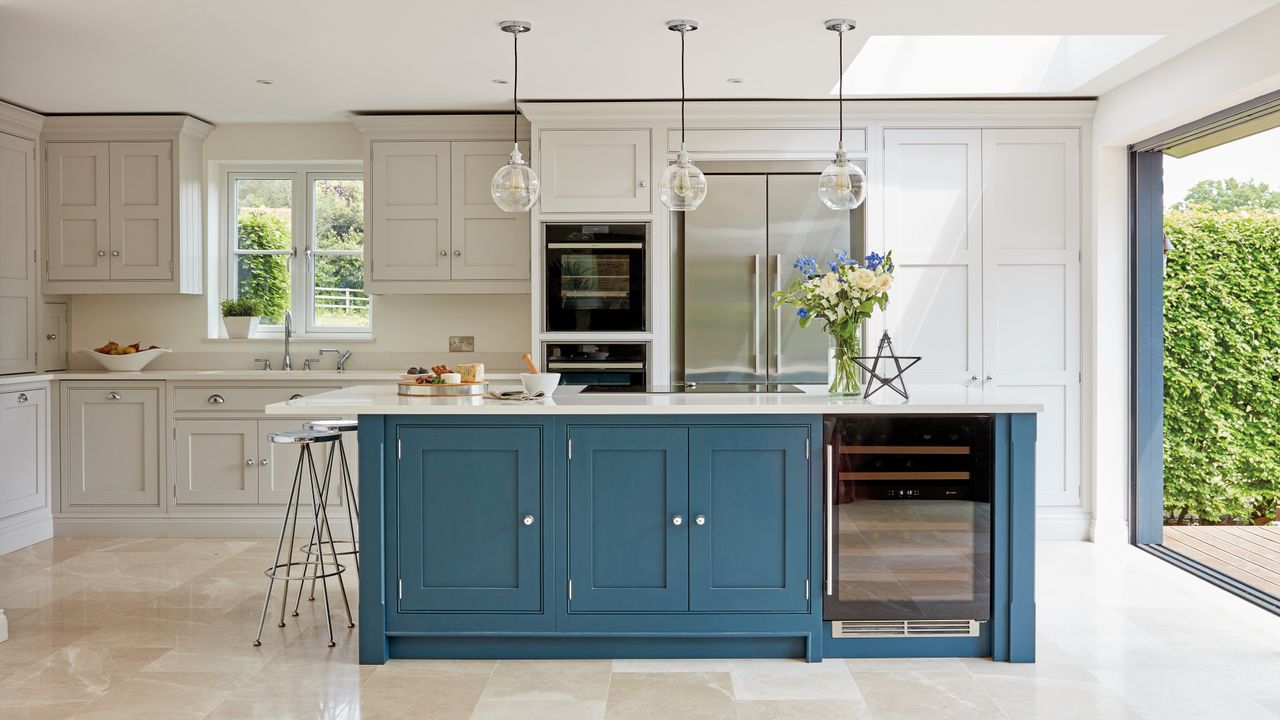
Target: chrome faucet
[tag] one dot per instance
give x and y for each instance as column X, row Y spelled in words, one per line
column 343, row 357
column 288, row 335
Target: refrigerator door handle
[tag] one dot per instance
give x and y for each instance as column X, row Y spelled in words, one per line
column 831, row 518
column 755, row 314
column 777, row 318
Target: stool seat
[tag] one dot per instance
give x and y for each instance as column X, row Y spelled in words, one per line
column 333, row 425
column 301, row 437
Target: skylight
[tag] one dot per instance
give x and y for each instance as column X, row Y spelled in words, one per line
column 985, row 64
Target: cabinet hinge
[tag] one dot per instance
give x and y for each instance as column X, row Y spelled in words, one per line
column 46, row 153
column 570, row 448
column 1080, row 377
column 175, row 433
column 570, row 589
column 175, row 492
column 400, row 589
column 1079, row 255
column 806, row 449
column 806, row 589
column 399, row 450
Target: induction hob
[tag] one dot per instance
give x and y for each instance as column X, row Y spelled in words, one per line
column 709, row 388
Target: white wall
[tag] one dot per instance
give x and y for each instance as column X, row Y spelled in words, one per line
column 407, row 329
column 1230, row 68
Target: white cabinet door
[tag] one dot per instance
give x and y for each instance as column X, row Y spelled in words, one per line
column 487, row 243
column 216, row 462
column 142, row 203
column 53, row 341
column 78, row 198
column 933, row 225
column 17, row 255
column 111, row 440
column 594, row 170
column 275, row 476
column 24, row 482
column 1031, row 289
column 409, row 204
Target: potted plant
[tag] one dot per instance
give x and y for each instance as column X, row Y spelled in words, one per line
column 240, row 316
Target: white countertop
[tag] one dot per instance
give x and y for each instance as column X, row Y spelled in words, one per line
column 925, row 400
column 265, row 376
column 28, row 379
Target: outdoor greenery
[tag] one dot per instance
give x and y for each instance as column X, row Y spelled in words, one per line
column 264, row 278
column 339, row 218
column 1222, row 355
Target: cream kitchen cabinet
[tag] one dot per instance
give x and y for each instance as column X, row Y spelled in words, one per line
column 17, row 254
column 433, row 227
column 215, row 462
column 24, row 446
column 124, row 204
column 53, row 340
column 112, row 453
column 275, row 477
column 594, row 171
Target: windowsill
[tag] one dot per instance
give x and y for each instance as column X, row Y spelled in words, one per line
column 277, row 339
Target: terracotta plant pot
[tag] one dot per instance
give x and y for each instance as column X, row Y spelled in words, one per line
column 241, row 328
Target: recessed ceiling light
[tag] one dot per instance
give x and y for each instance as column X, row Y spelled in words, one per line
column 263, row 82
column 734, row 81
column 500, row 81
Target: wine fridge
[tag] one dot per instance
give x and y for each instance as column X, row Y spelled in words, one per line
column 908, row 528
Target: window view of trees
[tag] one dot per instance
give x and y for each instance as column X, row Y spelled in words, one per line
column 1222, row 355
column 339, row 253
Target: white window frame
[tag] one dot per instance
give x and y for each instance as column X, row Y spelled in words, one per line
column 302, row 233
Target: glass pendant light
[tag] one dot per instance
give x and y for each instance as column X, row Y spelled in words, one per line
column 843, row 185
column 683, row 186
column 515, row 186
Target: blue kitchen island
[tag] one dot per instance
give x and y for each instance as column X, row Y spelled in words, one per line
column 674, row 526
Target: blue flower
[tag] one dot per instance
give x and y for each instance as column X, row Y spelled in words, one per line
column 802, row 312
column 807, row 265
column 842, row 258
column 874, row 260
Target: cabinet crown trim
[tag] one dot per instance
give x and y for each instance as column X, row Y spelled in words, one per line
column 440, row 127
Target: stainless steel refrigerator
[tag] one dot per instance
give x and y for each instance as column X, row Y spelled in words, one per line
column 731, row 253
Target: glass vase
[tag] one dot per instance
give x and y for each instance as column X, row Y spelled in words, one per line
column 842, row 371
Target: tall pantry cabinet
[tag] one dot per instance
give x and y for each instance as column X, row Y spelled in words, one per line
column 18, row 258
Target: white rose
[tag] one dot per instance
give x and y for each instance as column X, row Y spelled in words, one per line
column 864, row 279
column 829, row 286
column 883, row 282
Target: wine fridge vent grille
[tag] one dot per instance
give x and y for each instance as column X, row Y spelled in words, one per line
column 903, row 628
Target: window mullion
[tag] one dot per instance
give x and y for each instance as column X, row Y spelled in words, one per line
column 301, row 263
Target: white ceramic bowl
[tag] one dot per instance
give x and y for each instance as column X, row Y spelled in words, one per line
column 544, row 383
column 127, row 363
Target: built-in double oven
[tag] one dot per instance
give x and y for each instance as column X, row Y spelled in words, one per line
column 595, row 277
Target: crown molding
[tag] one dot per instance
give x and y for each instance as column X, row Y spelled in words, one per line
column 440, row 127
column 20, row 121
column 125, row 127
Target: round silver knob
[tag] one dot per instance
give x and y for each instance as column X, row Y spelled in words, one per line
column 972, row 379
column 263, row 462
column 22, row 397
column 444, row 253
column 102, row 253
column 115, row 253
column 216, row 399
column 644, row 184
column 296, row 396
column 700, row 520
column 677, row 520
column 527, row 520
column 52, row 336
column 249, row 462
column 988, row 379
column 457, row 253
column 113, row 395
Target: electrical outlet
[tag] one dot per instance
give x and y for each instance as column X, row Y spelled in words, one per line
column 462, row 343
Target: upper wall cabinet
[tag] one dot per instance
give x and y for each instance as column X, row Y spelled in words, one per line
column 594, row 171
column 17, row 254
column 124, row 204
column 432, row 225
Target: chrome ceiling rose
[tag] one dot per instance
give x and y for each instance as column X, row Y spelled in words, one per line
column 841, row 24
column 682, row 25
column 515, row 27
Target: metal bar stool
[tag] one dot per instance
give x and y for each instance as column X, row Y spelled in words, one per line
column 285, row 568
column 348, row 493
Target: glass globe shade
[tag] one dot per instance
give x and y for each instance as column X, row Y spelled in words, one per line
column 515, row 186
column 683, row 186
column 843, row 185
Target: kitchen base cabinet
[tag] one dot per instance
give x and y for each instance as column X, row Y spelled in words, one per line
column 216, row 461
column 24, row 477
column 111, row 448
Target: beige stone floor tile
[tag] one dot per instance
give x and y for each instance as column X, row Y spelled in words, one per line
column 946, row 695
column 57, row 710
column 792, row 680
column 271, row 708
column 802, row 710
column 1047, row 699
column 85, row 671
column 676, row 665
column 540, row 680
column 441, row 686
column 684, row 695
column 159, row 695
column 538, row 710
column 900, row 664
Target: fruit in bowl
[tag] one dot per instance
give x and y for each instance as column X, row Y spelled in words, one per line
column 126, row 358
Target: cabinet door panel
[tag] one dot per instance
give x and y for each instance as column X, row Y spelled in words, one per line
column 17, row 255
column 595, row 170
column 23, row 437
column 487, row 243
column 53, row 340
column 112, row 446
column 625, row 486
column 79, row 209
column 462, row 543
column 275, row 475
column 141, row 211
column 409, row 201
column 751, row 487
column 215, row 462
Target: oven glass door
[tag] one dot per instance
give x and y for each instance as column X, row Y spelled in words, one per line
column 909, row 518
column 595, row 280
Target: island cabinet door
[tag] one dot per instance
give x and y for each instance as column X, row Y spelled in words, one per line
column 628, row 519
column 748, row 498
column 469, row 519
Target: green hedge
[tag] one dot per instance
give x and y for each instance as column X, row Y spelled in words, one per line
column 1222, row 366
column 264, row 278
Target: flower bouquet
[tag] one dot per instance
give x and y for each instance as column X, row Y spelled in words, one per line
column 842, row 297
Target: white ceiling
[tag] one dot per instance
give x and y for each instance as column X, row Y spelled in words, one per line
column 327, row 58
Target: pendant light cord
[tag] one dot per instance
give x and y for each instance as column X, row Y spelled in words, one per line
column 840, row 83
column 682, row 32
column 515, row 88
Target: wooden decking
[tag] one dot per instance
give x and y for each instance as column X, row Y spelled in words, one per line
column 1248, row 554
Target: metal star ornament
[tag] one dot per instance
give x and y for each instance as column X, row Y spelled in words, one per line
column 900, row 364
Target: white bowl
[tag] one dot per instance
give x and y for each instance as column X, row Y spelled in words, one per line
column 544, row 383
column 127, row 363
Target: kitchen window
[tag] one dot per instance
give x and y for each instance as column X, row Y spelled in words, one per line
column 295, row 241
